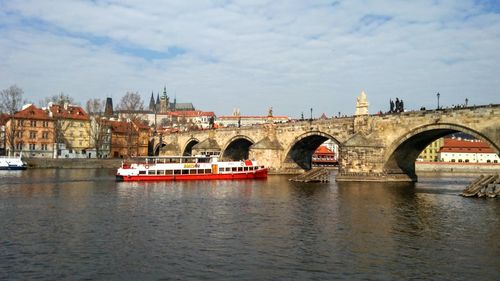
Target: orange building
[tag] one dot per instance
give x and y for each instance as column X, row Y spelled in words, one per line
column 129, row 139
column 30, row 132
column 324, row 157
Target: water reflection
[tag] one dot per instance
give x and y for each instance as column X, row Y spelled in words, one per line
column 81, row 224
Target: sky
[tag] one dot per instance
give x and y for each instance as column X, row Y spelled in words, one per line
column 290, row 55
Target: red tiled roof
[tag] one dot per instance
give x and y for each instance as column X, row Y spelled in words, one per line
column 464, row 146
column 70, row 112
column 141, row 125
column 190, row 113
column 323, row 150
column 32, row 112
column 119, row 126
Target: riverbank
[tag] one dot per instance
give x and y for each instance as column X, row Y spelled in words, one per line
column 80, row 163
column 449, row 167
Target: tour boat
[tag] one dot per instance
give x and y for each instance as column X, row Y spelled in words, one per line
column 12, row 163
column 189, row 168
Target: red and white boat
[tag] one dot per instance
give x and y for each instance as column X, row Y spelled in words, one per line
column 189, row 168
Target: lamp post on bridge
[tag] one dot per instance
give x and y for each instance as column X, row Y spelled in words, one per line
column 438, row 99
column 466, row 102
column 311, row 113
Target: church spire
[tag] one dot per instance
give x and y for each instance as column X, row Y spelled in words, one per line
column 152, row 102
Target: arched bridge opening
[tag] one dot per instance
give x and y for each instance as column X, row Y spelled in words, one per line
column 158, row 148
column 188, row 150
column 237, row 149
column 302, row 150
column 401, row 156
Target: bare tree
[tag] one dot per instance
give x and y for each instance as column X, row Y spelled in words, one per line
column 61, row 123
column 100, row 136
column 131, row 106
column 11, row 100
column 61, row 99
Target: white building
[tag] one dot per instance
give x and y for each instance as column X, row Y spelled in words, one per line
column 467, row 151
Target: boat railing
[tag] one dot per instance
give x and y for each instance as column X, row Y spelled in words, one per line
column 152, row 160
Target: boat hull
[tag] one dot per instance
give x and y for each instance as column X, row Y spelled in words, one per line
column 259, row 174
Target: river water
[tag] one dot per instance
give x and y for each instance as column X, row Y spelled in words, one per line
column 68, row 224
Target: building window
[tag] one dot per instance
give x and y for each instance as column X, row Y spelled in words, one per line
column 32, row 146
column 44, row 147
column 45, row 124
column 20, row 134
column 19, row 146
column 32, row 134
column 45, row 135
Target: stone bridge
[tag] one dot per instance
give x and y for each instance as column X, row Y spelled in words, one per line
column 371, row 147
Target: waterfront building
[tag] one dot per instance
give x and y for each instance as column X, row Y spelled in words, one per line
column 467, row 151
column 71, row 131
column 30, row 133
column 430, row 153
column 129, row 138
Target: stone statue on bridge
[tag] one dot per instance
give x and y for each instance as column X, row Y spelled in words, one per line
column 361, row 104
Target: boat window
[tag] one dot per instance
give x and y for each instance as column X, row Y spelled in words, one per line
column 168, row 172
column 233, row 169
column 174, row 160
column 208, row 171
column 204, row 160
column 245, row 168
column 192, row 171
column 185, row 172
column 161, row 172
column 142, row 172
column 221, row 169
column 177, row 172
column 201, row 171
column 240, row 169
column 189, row 160
column 151, row 172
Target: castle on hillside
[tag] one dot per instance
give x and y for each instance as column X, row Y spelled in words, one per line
column 163, row 104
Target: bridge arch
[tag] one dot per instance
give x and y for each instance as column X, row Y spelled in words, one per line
column 237, row 148
column 401, row 155
column 188, row 148
column 158, row 147
column 301, row 149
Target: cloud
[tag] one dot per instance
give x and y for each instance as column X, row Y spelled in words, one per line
column 292, row 55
